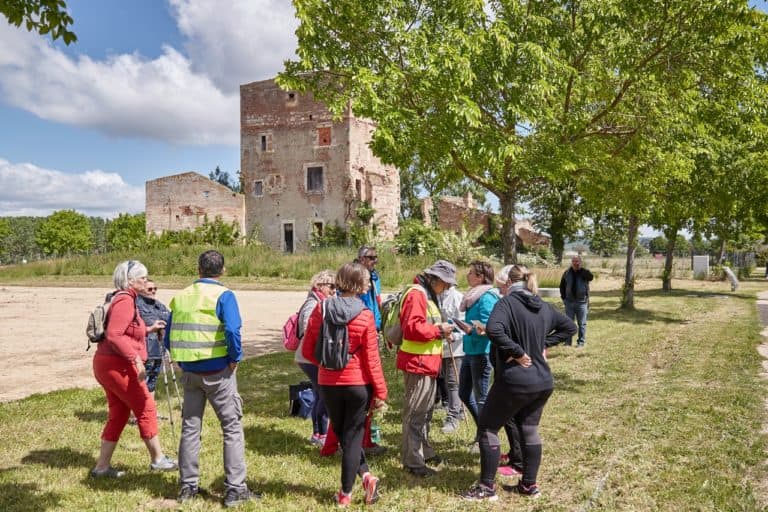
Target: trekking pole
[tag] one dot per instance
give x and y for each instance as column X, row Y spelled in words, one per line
column 167, row 355
column 168, row 399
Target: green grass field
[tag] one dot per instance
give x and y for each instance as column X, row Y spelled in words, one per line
column 662, row 410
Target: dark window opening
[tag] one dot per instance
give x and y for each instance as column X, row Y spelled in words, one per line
column 258, row 188
column 288, row 237
column 314, row 179
column 310, row 117
column 359, row 188
column 263, row 142
column 317, row 229
column 291, row 96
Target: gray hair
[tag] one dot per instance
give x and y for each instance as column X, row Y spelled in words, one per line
column 324, row 276
column 126, row 271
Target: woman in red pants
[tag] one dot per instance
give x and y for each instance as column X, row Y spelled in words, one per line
column 118, row 365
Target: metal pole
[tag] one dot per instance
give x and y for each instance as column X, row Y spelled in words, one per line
column 168, row 399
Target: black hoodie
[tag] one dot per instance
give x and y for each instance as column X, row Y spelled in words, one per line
column 522, row 323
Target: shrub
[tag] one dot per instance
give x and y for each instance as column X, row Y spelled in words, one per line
column 416, row 239
column 460, row 248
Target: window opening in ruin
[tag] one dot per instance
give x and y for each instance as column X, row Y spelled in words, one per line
column 359, row 188
column 291, row 96
column 314, row 179
column 206, row 193
column 258, row 188
column 324, row 136
column 317, row 229
column 263, row 142
column 310, row 117
column 288, row 237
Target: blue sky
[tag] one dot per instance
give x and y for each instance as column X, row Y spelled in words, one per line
column 150, row 89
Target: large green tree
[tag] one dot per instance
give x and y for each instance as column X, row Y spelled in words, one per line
column 127, row 232
column 41, row 16
column 511, row 91
column 64, row 232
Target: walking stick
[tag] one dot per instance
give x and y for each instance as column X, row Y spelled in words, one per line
column 170, row 406
column 456, row 373
column 167, row 355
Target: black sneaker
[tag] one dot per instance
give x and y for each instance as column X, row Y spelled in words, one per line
column 421, row 472
column 480, row 492
column 434, row 460
column 531, row 491
column 187, row 492
column 236, row 497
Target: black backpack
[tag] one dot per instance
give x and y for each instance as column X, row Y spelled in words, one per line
column 332, row 348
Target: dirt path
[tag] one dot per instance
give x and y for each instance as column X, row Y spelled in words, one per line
column 43, row 334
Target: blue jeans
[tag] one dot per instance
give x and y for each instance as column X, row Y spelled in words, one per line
column 579, row 311
column 319, row 413
column 474, row 378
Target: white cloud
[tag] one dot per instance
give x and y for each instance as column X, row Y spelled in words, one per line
column 26, row 189
column 238, row 41
column 181, row 99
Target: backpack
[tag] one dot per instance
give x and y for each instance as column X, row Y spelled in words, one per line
column 291, row 338
column 390, row 315
column 333, row 354
column 97, row 320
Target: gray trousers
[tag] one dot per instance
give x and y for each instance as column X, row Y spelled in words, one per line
column 451, row 376
column 418, row 404
column 220, row 389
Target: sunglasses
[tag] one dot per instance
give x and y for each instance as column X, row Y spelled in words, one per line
column 372, row 258
column 152, row 289
column 330, row 285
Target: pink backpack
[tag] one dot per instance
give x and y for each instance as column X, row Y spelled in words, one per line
column 291, row 332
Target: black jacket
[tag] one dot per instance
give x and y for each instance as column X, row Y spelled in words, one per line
column 522, row 323
column 574, row 285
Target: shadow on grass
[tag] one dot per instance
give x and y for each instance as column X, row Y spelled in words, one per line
column 23, row 497
column 94, row 416
column 59, row 458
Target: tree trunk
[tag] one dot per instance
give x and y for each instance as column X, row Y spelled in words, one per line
column 721, row 259
column 558, row 240
column 666, row 278
column 628, row 290
column 508, row 239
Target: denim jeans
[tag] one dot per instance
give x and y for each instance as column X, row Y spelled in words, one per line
column 578, row 310
column 474, row 378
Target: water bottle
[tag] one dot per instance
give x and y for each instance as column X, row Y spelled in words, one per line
column 375, row 430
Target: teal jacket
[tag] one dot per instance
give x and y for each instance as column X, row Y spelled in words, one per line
column 474, row 344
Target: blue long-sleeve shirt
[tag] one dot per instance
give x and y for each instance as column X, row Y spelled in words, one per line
column 371, row 299
column 228, row 312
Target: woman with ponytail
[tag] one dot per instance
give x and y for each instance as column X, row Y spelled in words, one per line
column 520, row 327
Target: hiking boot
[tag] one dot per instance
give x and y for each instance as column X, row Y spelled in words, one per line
column 343, row 500
column 187, row 492
column 450, row 426
column 531, row 491
column 164, row 464
column 421, row 472
column 371, row 487
column 509, row 471
column 110, row 472
column 480, row 492
column 376, row 449
column 317, row 439
column 236, row 497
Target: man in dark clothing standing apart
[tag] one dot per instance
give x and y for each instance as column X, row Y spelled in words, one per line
column 574, row 291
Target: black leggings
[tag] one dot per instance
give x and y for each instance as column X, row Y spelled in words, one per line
column 501, row 405
column 347, row 407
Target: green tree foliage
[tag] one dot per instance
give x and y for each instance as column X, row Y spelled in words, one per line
column 64, row 232
column 41, row 16
column 415, row 238
column 558, row 211
column 127, row 232
column 20, row 242
column 99, row 234
column 511, row 92
column 223, row 178
column 606, row 232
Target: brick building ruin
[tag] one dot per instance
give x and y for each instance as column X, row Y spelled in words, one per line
column 454, row 212
column 182, row 201
column 303, row 172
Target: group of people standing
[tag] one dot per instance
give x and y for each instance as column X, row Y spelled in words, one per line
column 499, row 328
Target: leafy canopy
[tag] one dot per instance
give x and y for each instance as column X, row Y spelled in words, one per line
column 64, row 232
column 41, row 16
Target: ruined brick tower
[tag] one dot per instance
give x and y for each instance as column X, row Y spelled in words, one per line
column 302, row 172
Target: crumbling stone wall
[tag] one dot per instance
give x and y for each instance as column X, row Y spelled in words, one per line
column 181, row 202
column 302, row 171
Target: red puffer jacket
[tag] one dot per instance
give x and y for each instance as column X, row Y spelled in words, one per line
column 125, row 330
column 364, row 366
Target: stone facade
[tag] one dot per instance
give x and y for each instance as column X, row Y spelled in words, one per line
column 455, row 212
column 182, row 201
column 303, row 172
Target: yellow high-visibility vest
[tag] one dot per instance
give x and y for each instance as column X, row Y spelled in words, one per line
column 422, row 348
column 196, row 332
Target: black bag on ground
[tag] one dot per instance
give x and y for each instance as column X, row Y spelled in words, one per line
column 301, row 399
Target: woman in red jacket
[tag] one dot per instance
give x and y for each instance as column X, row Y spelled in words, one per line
column 349, row 392
column 118, row 365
